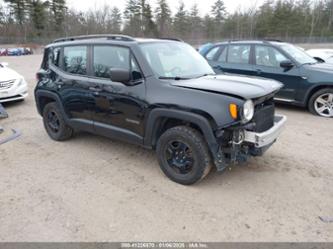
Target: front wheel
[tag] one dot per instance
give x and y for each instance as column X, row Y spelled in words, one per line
column 321, row 103
column 183, row 155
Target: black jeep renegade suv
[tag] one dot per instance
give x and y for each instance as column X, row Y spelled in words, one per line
column 160, row 94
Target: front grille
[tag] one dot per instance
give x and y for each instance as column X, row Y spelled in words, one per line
column 6, row 84
column 264, row 116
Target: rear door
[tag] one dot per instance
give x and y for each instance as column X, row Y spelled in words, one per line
column 73, row 84
column 235, row 59
column 267, row 65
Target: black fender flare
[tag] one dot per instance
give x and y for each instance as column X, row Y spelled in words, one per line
column 158, row 113
column 51, row 95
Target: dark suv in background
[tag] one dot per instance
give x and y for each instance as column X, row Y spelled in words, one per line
column 307, row 82
column 159, row 94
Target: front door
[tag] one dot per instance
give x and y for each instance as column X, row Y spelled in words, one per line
column 119, row 108
column 267, row 65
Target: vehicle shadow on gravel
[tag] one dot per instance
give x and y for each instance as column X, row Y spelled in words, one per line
column 292, row 108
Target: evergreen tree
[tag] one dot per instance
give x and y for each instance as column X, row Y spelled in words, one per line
column 132, row 16
column 181, row 21
column 195, row 22
column 163, row 17
column 218, row 11
column 219, row 15
column 148, row 25
column 18, row 9
column 115, row 20
column 58, row 10
column 37, row 14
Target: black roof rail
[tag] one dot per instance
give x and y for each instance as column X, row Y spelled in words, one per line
column 272, row 40
column 86, row 37
column 171, row 39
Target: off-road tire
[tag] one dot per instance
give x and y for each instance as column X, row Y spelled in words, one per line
column 202, row 159
column 64, row 132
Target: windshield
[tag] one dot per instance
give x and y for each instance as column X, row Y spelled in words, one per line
column 297, row 54
column 175, row 60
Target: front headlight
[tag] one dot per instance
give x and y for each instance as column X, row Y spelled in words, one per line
column 248, row 111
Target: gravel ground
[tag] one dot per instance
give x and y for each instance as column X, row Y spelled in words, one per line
column 95, row 189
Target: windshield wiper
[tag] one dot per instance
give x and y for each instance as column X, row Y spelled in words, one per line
column 204, row 75
column 173, row 78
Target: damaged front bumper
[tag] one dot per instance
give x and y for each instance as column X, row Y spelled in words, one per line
column 268, row 137
column 237, row 144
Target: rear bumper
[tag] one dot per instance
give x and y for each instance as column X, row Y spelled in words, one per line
column 260, row 140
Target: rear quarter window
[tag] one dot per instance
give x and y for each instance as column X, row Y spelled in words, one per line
column 54, row 56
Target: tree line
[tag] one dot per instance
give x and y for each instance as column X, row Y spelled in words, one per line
column 43, row 20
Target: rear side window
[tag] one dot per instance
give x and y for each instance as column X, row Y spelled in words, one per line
column 223, row 55
column 107, row 57
column 75, row 60
column 239, row 54
column 211, row 54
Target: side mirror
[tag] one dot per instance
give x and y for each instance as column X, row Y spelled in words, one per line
column 287, row 64
column 4, row 64
column 320, row 60
column 120, row 75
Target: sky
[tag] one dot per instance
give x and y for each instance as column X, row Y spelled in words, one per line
column 204, row 5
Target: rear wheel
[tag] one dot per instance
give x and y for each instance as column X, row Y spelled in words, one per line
column 321, row 103
column 183, row 155
column 55, row 124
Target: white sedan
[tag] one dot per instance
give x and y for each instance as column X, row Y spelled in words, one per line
column 12, row 85
column 323, row 55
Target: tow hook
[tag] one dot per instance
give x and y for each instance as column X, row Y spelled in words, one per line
column 238, row 137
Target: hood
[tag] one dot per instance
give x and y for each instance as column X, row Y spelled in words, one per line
column 8, row 74
column 321, row 67
column 241, row 86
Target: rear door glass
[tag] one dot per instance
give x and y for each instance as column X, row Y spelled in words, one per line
column 75, row 60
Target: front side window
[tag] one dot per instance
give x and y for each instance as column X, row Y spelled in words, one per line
column 107, row 57
column 268, row 56
column 75, row 60
column 239, row 54
column 297, row 54
column 175, row 59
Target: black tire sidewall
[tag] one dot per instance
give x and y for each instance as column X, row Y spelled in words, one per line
column 64, row 131
column 199, row 156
